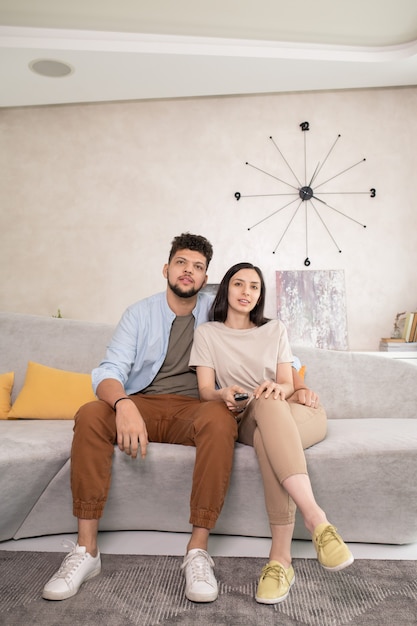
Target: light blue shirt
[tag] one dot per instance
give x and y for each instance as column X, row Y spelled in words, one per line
column 296, row 363
column 139, row 345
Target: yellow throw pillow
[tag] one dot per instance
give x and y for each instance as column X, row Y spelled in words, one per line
column 6, row 386
column 50, row 393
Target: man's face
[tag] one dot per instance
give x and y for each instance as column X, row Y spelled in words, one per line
column 186, row 273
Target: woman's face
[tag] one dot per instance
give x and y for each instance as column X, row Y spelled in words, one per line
column 244, row 290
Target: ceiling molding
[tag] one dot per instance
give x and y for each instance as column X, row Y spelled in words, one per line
column 98, row 41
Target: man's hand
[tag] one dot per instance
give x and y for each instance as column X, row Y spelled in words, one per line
column 131, row 429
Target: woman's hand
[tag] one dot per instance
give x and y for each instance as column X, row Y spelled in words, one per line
column 227, row 394
column 268, row 388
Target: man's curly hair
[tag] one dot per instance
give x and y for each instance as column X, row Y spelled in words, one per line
column 187, row 241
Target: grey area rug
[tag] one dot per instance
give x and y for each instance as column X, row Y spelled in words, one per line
column 149, row 591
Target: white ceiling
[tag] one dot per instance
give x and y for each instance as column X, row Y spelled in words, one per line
column 135, row 49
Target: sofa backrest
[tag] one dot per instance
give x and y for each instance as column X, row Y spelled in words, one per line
column 71, row 345
column 350, row 385
column 355, row 385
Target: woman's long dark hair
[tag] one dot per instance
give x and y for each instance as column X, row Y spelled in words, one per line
column 219, row 308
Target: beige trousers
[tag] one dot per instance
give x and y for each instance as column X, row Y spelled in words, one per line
column 280, row 431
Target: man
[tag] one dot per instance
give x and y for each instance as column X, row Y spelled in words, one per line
column 146, row 392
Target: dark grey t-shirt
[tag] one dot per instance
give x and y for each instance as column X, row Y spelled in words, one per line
column 175, row 376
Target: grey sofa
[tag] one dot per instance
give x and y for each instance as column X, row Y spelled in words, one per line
column 363, row 473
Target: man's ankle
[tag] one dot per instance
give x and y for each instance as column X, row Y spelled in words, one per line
column 87, row 535
column 90, row 548
column 199, row 539
column 197, row 546
column 93, row 552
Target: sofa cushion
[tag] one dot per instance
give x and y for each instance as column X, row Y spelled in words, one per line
column 363, row 476
column 32, row 454
column 50, row 393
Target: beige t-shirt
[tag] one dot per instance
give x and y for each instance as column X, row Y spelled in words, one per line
column 241, row 357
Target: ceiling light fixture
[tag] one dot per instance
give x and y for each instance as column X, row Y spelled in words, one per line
column 51, row 68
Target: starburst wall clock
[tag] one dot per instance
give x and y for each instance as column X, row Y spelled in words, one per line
column 307, row 193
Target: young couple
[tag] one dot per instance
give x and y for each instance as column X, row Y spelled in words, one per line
column 149, row 387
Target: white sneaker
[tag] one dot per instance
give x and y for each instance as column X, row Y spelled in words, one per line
column 200, row 582
column 77, row 567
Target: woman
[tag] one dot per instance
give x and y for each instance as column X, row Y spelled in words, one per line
column 241, row 352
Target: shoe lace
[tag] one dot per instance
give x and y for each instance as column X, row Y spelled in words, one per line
column 275, row 571
column 200, row 564
column 328, row 535
column 70, row 563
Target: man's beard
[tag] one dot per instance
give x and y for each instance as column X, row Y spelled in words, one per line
column 180, row 293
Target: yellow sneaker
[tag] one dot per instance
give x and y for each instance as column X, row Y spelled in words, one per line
column 275, row 583
column 332, row 552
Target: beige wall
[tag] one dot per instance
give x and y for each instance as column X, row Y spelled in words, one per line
column 91, row 196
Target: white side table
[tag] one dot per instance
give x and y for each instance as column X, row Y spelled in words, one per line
column 409, row 357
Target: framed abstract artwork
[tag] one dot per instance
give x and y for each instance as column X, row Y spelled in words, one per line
column 312, row 305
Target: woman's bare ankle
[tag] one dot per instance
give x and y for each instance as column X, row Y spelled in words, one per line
column 315, row 520
column 281, row 558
